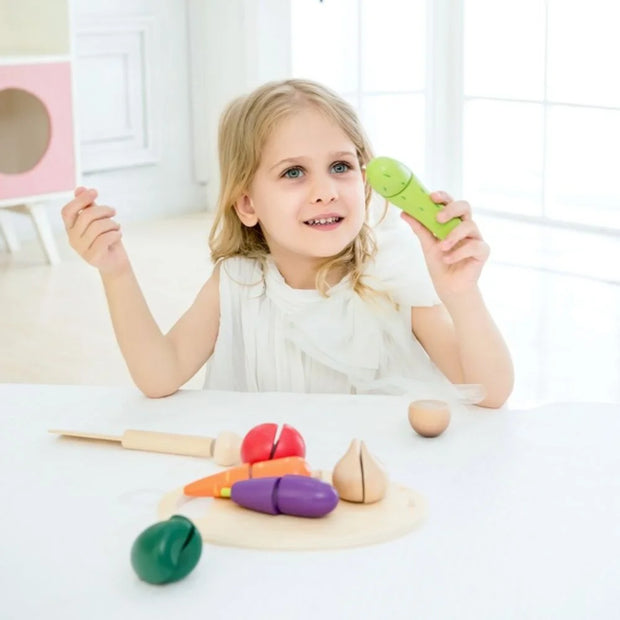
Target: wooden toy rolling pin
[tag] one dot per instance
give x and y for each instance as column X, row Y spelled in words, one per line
column 224, row 449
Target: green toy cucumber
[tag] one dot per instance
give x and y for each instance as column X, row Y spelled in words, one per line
column 395, row 182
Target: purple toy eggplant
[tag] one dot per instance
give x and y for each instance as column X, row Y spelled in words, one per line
column 291, row 494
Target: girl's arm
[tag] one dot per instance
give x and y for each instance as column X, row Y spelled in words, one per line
column 460, row 336
column 466, row 345
column 159, row 364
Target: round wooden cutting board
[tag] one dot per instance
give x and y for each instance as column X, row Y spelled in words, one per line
column 348, row 525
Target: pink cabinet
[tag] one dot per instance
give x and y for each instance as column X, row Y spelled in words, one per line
column 37, row 141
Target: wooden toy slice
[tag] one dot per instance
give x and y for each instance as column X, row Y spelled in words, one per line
column 429, row 418
column 358, row 476
column 375, row 478
column 347, row 475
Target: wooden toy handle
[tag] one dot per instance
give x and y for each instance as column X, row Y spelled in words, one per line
column 169, row 443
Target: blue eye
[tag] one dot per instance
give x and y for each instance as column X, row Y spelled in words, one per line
column 340, row 167
column 293, row 173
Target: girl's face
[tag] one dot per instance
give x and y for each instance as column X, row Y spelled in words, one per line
column 307, row 194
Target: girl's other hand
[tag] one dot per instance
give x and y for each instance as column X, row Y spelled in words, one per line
column 92, row 232
column 456, row 262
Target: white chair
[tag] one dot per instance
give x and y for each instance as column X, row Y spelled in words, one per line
column 38, row 214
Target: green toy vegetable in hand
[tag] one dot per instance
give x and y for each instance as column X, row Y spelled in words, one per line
column 395, row 182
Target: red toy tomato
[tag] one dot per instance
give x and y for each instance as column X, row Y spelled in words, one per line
column 260, row 443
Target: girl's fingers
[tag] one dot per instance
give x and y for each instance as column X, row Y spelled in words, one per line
column 85, row 218
column 456, row 208
column 475, row 248
column 96, row 230
column 441, row 197
column 82, row 200
column 465, row 230
column 462, row 243
column 82, row 244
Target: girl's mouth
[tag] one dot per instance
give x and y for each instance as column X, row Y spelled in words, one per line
column 324, row 221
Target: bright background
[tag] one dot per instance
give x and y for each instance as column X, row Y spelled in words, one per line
column 515, row 105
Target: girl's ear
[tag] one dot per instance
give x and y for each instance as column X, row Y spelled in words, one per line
column 245, row 211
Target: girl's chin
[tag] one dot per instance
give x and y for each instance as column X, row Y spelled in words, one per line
column 318, row 246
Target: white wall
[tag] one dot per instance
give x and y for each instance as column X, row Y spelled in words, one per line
column 158, row 88
column 236, row 45
column 207, row 52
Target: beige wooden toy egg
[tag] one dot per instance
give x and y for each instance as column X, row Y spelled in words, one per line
column 227, row 449
column 429, row 418
column 358, row 477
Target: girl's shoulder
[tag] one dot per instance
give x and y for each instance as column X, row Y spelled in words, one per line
column 241, row 269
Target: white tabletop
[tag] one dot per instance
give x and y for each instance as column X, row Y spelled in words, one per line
column 523, row 511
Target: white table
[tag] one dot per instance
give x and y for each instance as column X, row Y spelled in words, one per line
column 523, row 521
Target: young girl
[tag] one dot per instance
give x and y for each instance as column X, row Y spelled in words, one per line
column 305, row 295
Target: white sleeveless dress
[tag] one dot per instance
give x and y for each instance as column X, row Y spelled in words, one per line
column 276, row 338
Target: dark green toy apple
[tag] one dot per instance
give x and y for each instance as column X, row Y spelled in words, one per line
column 166, row 551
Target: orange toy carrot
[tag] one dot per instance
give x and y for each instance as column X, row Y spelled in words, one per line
column 211, row 486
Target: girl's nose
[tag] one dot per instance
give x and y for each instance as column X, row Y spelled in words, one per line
column 323, row 190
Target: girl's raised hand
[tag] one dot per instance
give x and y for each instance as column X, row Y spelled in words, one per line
column 456, row 262
column 92, row 232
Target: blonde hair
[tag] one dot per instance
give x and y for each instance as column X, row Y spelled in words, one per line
column 244, row 128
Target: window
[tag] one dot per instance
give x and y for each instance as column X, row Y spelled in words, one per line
column 514, row 105
column 374, row 54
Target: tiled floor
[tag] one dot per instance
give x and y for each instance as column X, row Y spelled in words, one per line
column 554, row 293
